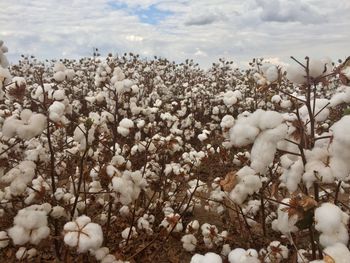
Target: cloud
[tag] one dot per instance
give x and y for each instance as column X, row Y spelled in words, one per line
column 202, row 20
column 289, row 11
column 203, row 30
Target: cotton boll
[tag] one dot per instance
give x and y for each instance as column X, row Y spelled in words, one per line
column 271, row 74
column 316, row 68
column 248, row 183
column 70, row 74
column 331, row 221
column 59, row 66
column 56, row 111
column 296, row 74
column 189, row 242
column 19, row 235
column 3, row 239
column 126, row 232
column 240, row 255
column 227, row 122
column 243, row 134
column 59, row 76
column 276, row 99
column 229, row 98
column 265, row 146
column 26, row 114
column 36, row 125
column 285, row 223
column 207, row 258
column 338, row 252
column 292, row 173
column 270, row 120
column 10, row 126
column 236, row 255
column 29, row 225
column 83, row 234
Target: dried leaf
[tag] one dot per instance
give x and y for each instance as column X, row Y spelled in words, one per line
column 328, row 259
column 229, row 182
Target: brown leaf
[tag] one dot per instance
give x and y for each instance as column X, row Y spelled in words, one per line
column 229, row 182
column 328, row 259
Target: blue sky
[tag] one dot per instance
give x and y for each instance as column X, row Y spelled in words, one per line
column 204, row 30
column 148, row 15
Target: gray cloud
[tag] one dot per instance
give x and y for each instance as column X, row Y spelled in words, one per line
column 202, row 20
column 204, row 30
column 289, row 11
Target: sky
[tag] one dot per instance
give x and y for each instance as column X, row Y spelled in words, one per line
column 203, row 30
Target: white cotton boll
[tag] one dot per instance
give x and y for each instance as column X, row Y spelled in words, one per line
column 126, row 232
column 229, row 98
column 10, row 126
column 342, row 96
column 276, row 252
column 38, row 234
column 19, row 235
column 292, row 173
column 21, row 253
column 209, row 257
column 338, row 252
column 276, row 99
column 331, row 221
column 346, row 72
column 271, row 74
column 70, row 74
column 227, row 122
column 26, row 114
column 197, row 258
column 248, row 184
column 243, row 134
column 92, row 240
column 36, row 125
column 56, row 111
column 285, row 223
column 57, row 212
column 316, row 68
column 296, row 74
column 59, row 76
column 270, row 120
column 83, row 234
column 341, row 236
column 265, row 146
column 236, row 255
column 3, row 239
column 189, row 242
column 226, row 249
column 240, row 255
column 59, row 66
column 101, row 253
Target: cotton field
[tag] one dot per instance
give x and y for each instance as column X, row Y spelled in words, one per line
column 122, row 159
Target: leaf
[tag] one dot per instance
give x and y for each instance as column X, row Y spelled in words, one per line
column 328, row 259
column 229, row 182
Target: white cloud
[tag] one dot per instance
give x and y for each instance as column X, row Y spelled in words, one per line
column 204, row 30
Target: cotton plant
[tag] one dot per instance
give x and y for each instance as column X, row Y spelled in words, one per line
column 83, row 235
